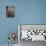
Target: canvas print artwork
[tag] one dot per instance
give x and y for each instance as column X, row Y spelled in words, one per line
column 33, row 32
column 10, row 11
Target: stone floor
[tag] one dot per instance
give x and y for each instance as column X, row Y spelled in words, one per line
column 34, row 43
column 28, row 43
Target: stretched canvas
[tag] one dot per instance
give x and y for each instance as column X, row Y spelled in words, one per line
column 10, row 11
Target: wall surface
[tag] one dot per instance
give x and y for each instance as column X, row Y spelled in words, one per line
column 7, row 25
column 31, row 11
column 27, row 12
